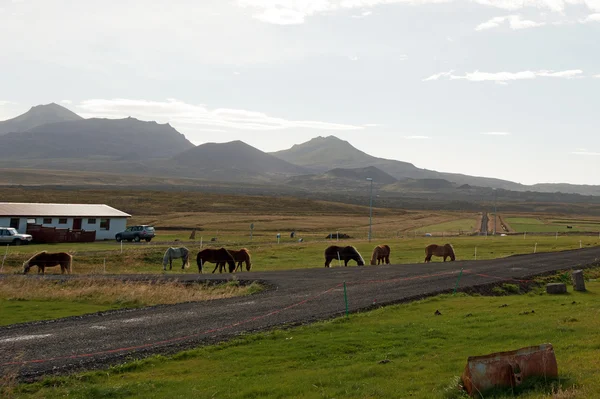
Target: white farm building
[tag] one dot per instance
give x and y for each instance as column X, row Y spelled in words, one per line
column 106, row 221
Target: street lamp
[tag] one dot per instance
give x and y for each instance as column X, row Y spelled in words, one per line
column 370, row 209
column 495, row 215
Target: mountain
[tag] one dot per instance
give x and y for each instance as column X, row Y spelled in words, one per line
column 37, row 116
column 234, row 161
column 123, row 139
column 325, row 153
column 361, row 174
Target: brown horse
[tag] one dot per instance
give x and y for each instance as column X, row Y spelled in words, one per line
column 343, row 253
column 438, row 250
column 47, row 259
column 216, row 256
column 241, row 256
column 381, row 254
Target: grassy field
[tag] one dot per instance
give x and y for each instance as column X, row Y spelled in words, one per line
column 398, row 351
column 23, row 299
column 543, row 224
column 100, row 258
column 462, row 226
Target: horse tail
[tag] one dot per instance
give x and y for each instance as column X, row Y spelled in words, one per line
column 70, row 264
column 187, row 258
column 374, row 256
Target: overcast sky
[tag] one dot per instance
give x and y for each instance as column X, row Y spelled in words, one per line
column 499, row 88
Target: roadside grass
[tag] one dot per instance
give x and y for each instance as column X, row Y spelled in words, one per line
column 24, row 299
column 106, row 258
column 397, row 351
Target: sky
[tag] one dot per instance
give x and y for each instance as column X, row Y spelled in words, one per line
column 498, row 88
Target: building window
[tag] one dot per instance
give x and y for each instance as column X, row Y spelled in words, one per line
column 62, row 221
column 31, row 221
column 91, row 221
column 104, row 224
column 47, row 221
column 14, row 223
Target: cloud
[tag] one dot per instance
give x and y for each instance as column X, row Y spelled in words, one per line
column 66, row 102
column 199, row 116
column 7, row 103
column 417, row 137
column 438, row 76
column 585, row 152
column 515, row 22
column 372, row 125
column 362, row 15
column 504, row 77
column 496, row 133
column 591, row 18
column 286, row 12
column 597, row 76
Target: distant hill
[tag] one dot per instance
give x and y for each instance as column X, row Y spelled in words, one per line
column 233, row 161
column 361, row 174
column 325, row 153
column 123, row 139
column 37, row 116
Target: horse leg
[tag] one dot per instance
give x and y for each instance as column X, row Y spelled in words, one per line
column 444, row 258
column 327, row 261
column 215, row 269
column 346, row 262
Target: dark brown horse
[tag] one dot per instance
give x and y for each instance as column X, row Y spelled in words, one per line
column 343, row 253
column 241, row 256
column 381, row 254
column 47, row 259
column 438, row 250
column 216, row 256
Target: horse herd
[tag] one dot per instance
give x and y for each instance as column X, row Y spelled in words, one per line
column 234, row 259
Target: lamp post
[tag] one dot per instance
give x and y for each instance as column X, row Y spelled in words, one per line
column 495, row 211
column 370, row 209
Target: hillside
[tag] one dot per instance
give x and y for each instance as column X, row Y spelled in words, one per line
column 325, row 153
column 233, row 161
column 37, row 116
column 124, row 139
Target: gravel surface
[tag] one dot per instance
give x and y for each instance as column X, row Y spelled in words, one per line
column 293, row 297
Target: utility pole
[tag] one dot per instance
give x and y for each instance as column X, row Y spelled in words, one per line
column 495, row 209
column 370, row 210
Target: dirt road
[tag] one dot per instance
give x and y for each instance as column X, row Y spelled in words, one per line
column 294, row 297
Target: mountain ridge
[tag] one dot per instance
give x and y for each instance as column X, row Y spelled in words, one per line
column 36, row 116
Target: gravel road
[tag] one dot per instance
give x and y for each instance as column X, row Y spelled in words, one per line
column 294, row 297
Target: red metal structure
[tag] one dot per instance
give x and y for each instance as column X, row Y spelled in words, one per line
column 42, row 234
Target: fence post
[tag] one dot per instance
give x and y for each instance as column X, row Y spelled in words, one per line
column 535, row 248
column 104, row 263
column 457, row 281
column 346, row 298
column 4, row 258
column 200, row 242
column 475, row 253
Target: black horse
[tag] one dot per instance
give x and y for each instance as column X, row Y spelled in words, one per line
column 215, row 256
column 343, row 253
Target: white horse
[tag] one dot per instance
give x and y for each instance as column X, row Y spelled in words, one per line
column 175, row 253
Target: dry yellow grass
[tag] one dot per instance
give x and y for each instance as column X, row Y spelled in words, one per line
column 106, row 291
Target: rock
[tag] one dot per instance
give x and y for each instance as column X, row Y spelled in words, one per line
column 438, row 313
column 384, row 361
column 578, row 281
column 556, row 288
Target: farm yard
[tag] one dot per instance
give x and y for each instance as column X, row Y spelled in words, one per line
column 553, row 224
column 373, row 347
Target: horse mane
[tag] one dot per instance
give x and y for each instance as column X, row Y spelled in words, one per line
column 357, row 253
column 374, row 255
column 35, row 256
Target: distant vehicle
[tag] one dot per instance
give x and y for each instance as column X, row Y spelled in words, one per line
column 428, row 235
column 136, row 233
column 9, row 235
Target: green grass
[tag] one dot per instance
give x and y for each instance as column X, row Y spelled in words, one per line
column 341, row 358
column 288, row 254
column 454, row 226
column 538, row 225
column 22, row 311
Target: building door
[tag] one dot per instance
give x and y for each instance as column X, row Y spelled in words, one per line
column 77, row 224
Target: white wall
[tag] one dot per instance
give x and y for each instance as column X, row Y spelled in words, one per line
column 116, row 225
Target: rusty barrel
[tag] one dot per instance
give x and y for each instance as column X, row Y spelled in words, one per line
column 509, row 369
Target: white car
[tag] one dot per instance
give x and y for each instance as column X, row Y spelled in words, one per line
column 8, row 235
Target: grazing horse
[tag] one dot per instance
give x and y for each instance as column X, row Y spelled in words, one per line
column 241, row 256
column 46, row 259
column 176, row 253
column 438, row 250
column 216, row 256
column 343, row 253
column 381, row 254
